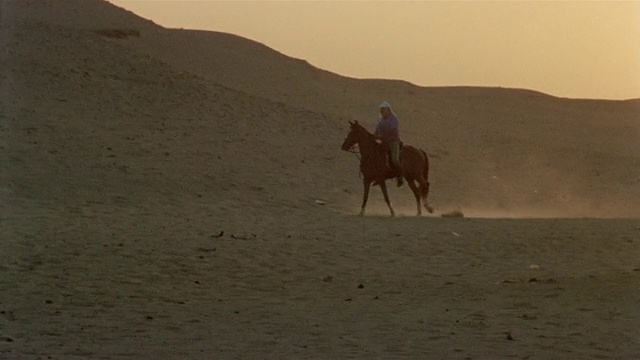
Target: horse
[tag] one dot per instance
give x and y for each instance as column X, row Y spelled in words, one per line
column 374, row 167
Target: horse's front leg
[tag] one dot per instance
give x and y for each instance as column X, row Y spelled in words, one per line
column 365, row 197
column 383, row 187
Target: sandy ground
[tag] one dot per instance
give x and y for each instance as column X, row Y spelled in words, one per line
column 125, row 282
column 156, row 207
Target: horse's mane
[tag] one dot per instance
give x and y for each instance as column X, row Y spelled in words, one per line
column 363, row 130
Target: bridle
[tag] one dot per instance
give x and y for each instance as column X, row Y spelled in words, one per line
column 355, row 151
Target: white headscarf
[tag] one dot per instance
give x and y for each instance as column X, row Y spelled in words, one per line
column 385, row 104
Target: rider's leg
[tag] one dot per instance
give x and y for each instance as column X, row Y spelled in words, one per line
column 394, row 146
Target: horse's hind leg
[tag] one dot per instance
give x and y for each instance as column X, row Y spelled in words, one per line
column 365, row 197
column 416, row 193
column 383, row 187
column 424, row 192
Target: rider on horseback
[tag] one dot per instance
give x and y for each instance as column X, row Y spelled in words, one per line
column 389, row 136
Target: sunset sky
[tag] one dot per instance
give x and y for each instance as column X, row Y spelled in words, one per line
column 564, row 48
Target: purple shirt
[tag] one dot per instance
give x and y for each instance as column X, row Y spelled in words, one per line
column 387, row 129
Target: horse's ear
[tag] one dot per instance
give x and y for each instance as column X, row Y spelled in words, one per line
column 351, row 123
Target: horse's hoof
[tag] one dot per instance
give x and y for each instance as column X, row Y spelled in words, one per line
column 429, row 209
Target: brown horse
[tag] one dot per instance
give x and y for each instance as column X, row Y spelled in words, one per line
column 374, row 167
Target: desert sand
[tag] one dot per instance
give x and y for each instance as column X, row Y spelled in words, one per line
column 179, row 194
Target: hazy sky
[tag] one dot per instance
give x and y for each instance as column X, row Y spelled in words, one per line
column 575, row 49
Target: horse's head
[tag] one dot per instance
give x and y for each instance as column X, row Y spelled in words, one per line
column 355, row 135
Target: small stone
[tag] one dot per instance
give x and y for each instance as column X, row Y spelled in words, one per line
column 453, row 214
column 48, row 301
column 361, row 286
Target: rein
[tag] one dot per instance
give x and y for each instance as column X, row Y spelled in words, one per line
column 355, row 152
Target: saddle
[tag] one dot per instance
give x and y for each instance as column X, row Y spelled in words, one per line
column 392, row 170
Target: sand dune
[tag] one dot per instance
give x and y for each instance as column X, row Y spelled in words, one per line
column 181, row 194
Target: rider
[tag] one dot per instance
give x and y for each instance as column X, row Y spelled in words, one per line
column 389, row 136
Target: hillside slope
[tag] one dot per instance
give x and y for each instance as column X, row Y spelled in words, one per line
column 200, row 96
column 543, row 151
